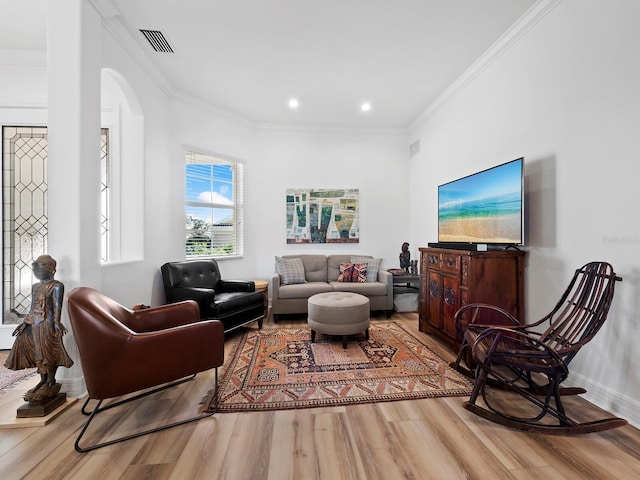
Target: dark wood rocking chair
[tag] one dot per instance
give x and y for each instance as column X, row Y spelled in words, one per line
column 532, row 360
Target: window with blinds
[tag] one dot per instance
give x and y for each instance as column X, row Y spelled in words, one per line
column 213, row 206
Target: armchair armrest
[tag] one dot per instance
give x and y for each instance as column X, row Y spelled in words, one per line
column 387, row 278
column 164, row 316
column 202, row 296
column 510, row 347
column 229, row 286
column 274, row 288
column 462, row 323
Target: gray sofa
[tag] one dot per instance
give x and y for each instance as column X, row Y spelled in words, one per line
column 321, row 275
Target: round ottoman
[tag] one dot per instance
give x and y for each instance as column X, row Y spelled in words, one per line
column 338, row 313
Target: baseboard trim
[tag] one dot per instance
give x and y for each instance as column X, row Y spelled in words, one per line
column 610, row 400
column 74, row 387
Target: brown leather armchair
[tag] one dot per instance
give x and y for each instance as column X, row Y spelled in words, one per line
column 124, row 351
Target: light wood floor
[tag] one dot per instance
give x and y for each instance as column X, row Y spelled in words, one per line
column 417, row 439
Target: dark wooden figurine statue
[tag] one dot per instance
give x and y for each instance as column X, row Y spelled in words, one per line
column 39, row 337
column 405, row 257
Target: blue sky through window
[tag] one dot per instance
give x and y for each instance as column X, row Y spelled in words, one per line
column 209, row 187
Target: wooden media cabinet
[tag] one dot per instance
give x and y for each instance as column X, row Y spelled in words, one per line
column 453, row 278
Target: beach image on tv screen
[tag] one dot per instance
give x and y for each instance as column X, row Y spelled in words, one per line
column 482, row 208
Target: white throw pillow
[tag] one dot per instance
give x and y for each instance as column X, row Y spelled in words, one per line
column 373, row 265
column 291, row 270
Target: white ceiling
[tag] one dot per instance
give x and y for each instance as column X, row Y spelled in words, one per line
column 249, row 57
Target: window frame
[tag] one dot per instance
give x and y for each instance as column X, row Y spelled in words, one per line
column 191, row 156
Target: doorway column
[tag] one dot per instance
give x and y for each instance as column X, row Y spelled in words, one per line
column 73, row 65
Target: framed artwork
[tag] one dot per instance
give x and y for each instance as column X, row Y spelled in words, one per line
column 322, row 215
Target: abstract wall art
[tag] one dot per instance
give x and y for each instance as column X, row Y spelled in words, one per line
column 322, row 215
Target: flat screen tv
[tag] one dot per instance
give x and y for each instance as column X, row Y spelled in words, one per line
column 484, row 208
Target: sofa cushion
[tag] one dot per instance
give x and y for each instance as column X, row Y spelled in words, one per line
column 373, row 265
column 291, row 270
column 315, row 267
column 368, row 289
column 303, row 290
column 353, row 272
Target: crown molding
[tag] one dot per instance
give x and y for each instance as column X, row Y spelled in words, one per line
column 527, row 21
column 188, row 99
column 106, row 8
column 391, row 131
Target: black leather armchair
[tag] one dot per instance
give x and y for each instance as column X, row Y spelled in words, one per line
column 234, row 302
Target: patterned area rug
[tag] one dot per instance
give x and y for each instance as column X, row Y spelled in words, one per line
column 276, row 369
column 9, row 378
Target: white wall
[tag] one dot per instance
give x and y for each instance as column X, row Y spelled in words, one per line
column 375, row 162
column 564, row 96
column 145, row 176
column 208, row 131
column 23, row 79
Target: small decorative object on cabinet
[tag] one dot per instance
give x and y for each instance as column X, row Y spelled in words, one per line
column 452, row 278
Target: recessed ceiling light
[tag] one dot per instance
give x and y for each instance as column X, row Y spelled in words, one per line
column 365, row 107
column 293, row 103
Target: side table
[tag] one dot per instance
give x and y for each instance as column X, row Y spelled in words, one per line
column 406, row 292
column 263, row 286
column 406, row 282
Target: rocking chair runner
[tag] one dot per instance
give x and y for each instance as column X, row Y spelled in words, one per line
column 532, row 360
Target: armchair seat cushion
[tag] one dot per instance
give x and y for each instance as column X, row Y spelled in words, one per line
column 229, row 303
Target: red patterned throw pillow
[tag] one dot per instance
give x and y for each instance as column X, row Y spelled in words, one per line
column 353, row 272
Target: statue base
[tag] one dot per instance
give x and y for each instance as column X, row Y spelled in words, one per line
column 29, row 410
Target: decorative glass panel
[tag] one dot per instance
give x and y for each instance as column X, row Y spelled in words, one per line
column 105, row 190
column 24, row 213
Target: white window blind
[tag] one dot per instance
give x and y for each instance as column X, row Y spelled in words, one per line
column 213, row 206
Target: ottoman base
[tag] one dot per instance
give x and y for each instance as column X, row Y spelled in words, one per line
column 344, row 337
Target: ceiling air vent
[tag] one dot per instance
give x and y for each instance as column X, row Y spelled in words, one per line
column 414, row 148
column 157, row 40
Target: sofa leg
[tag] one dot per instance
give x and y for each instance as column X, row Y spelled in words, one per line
column 389, row 312
column 260, row 323
column 313, row 336
column 275, row 317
